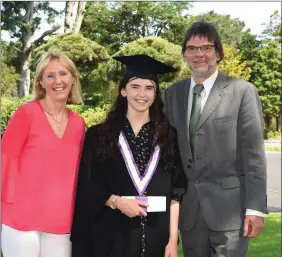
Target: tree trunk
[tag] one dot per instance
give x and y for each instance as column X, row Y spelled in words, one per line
column 278, row 122
column 24, row 83
column 69, row 17
column 79, row 16
column 267, row 122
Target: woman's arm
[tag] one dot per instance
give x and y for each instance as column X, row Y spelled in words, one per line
column 171, row 248
column 174, row 216
column 13, row 142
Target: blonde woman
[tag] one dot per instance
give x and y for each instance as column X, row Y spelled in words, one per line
column 40, row 154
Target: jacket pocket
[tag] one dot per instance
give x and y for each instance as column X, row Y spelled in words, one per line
column 222, row 119
column 230, row 182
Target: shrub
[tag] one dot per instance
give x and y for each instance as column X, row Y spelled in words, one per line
column 273, row 134
column 90, row 114
column 8, row 106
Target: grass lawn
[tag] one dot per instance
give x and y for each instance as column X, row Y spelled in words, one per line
column 273, row 148
column 268, row 243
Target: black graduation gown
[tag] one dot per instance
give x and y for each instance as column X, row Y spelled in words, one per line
column 99, row 231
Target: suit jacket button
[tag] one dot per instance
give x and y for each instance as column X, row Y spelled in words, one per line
column 198, row 182
column 190, row 160
column 188, row 166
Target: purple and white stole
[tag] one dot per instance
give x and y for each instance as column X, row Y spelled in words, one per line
column 140, row 182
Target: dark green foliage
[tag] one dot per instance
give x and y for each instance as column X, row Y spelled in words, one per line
column 92, row 115
column 117, row 23
column 8, row 80
column 16, row 21
column 8, row 107
column 9, row 68
column 263, row 55
column 160, row 49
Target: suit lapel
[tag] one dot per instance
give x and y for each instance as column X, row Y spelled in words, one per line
column 214, row 98
column 186, row 96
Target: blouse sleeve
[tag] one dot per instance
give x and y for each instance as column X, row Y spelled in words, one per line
column 13, row 141
column 179, row 178
column 92, row 190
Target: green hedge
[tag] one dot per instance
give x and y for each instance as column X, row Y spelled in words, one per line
column 273, row 134
column 92, row 115
column 8, row 107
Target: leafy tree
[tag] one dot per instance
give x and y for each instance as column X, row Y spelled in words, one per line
column 9, row 79
column 9, row 53
column 266, row 75
column 115, row 24
column 263, row 55
column 247, row 43
column 230, row 30
column 21, row 19
column 273, row 31
column 273, row 28
column 89, row 57
column 8, row 68
column 232, row 64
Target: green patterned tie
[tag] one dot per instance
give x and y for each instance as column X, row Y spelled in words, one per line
column 195, row 113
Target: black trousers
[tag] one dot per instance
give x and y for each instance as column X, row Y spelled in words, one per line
column 201, row 241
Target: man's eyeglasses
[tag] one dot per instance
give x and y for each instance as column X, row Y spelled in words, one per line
column 194, row 49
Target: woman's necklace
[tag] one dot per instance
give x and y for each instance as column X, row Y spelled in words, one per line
column 57, row 122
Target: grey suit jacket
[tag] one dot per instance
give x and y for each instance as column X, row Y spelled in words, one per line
column 228, row 173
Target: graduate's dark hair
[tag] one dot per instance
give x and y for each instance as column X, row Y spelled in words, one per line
column 109, row 131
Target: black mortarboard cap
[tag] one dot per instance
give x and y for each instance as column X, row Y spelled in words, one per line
column 143, row 66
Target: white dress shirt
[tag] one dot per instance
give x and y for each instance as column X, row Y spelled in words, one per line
column 208, row 84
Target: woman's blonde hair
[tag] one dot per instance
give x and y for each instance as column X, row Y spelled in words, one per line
column 75, row 96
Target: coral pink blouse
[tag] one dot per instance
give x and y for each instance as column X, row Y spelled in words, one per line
column 39, row 171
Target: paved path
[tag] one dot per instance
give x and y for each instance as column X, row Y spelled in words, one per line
column 274, row 181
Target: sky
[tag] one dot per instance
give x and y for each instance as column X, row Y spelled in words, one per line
column 254, row 14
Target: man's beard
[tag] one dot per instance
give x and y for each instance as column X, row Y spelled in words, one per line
column 202, row 73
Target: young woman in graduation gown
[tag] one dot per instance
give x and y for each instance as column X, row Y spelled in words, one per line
column 133, row 153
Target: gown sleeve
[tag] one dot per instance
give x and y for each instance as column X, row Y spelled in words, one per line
column 92, row 193
column 179, row 178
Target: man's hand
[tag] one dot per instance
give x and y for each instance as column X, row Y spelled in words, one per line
column 253, row 225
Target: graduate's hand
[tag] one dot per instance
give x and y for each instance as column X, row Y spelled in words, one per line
column 171, row 249
column 131, row 207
